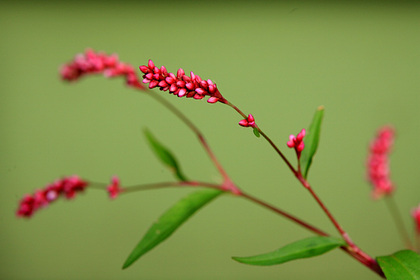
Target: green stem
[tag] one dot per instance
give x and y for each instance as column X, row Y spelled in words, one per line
column 396, row 215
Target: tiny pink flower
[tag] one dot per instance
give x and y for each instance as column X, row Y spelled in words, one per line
column 248, row 122
column 72, row 185
column 26, row 207
column 415, row 213
column 114, row 189
column 297, row 142
column 180, row 84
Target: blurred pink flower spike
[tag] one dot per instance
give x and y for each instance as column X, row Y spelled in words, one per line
column 114, row 189
column 415, row 213
column 67, row 187
column 378, row 163
column 297, row 142
column 248, row 122
column 92, row 62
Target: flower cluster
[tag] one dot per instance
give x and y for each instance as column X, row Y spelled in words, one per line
column 297, row 142
column 416, row 215
column 248, row 122
column 92, row 62
column 378, row 163
column 114, row 189
column 67, row 187
column 180, row 85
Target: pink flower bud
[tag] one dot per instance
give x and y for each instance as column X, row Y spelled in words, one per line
column 297, row 142
column 248, row 122
column 114, row 189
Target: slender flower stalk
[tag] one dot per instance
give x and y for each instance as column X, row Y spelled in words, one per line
column 398, row 220
column 298, row 144
column 378, row 174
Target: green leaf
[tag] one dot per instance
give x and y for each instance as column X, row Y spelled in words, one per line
column 311, row 141
column 170, row 221
column 256, row 132
column 305, row 248
column 165, row 155
column 402, row 265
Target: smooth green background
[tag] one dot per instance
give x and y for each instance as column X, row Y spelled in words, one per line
column 278, row 61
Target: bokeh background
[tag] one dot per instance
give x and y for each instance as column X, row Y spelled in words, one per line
column 276, row 60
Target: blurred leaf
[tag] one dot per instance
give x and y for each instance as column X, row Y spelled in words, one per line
column 311, row 141
column 256, row 132
column 170, row 221
column 402, row 265
column 165, row 155
column 305, row 248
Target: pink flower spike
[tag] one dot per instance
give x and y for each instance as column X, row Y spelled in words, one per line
column 92, row 62
column 415, row 213
column 114, row 189
column 179, row 84
column 67, row 186
column 378, row 163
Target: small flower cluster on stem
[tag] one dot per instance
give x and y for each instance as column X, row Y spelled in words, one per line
column 67, row 187
column 297, row 143
column 92, row 62
column 114, row 189
column 248, row 122
column 180, row 84
column 378, row 163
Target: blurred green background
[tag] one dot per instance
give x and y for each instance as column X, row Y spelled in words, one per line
column 278, row 61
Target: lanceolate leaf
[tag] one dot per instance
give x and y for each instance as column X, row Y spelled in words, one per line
column 165, row 155
column 305, row 248
column 170, row 221
column 402, row 265
column 311, row 141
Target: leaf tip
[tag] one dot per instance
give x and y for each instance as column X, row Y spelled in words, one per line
column 321, row 108
column 126, row 264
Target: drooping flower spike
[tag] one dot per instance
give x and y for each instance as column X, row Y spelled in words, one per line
column 297, row 142
column 92, row 62
column 180, row 84
column 248, row 122
column 378, row 172
column 67, row 187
